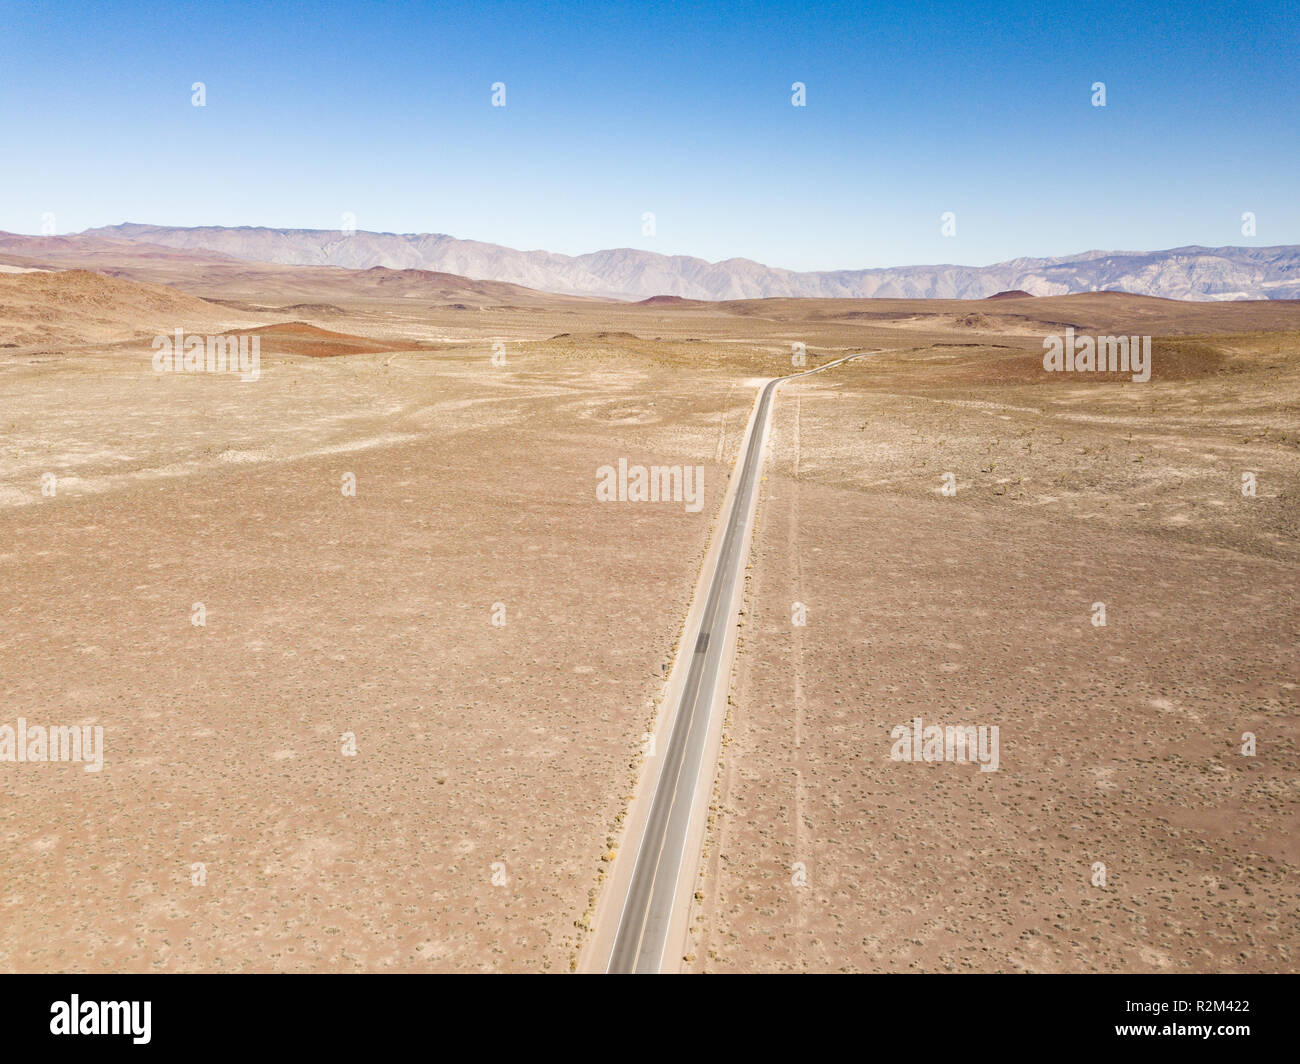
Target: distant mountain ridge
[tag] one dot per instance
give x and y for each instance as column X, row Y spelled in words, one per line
column 1195, row 273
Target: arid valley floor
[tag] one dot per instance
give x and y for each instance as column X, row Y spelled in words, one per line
column 495, row 641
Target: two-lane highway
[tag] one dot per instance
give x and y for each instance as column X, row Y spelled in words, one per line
column 647, row 911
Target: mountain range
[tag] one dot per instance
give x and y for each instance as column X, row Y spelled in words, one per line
column 1192, row 273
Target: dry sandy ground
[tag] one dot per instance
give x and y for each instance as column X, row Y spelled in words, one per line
column 517, row 746
column 1119, row 744
column 326, row 615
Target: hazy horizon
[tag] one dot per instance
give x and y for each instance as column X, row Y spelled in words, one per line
column 1080, row 253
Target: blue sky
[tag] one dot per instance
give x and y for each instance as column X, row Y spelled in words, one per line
column 612, row 110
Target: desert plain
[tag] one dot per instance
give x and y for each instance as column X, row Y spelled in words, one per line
column 374, row 664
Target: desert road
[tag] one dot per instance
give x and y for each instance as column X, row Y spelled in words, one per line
column 647, row 911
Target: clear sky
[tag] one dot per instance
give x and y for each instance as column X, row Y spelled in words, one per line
column 683, row 110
